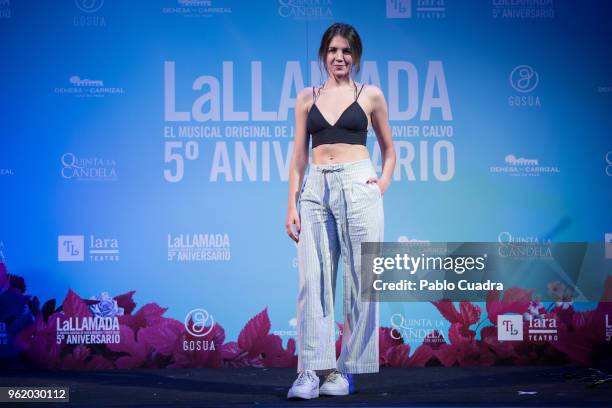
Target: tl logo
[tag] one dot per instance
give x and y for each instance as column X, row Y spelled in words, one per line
column 70, row 248
column 399, row 9
column 510, row 327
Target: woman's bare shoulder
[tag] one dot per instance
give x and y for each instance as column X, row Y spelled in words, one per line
column 372, row 92
column 304, row 97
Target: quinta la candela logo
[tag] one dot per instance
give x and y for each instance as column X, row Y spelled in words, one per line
column 88, row 169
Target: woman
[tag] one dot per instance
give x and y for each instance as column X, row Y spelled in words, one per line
column 339, row 206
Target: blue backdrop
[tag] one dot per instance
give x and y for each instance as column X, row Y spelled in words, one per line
column 145, row 144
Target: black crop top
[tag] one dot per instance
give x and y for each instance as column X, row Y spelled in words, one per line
column 351, row 127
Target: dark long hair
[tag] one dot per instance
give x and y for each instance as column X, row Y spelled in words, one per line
column 347, row 31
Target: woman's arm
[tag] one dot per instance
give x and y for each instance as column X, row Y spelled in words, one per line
column 299, row 161
column 380, row 123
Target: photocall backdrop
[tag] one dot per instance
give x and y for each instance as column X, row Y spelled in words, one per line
column 144, row 160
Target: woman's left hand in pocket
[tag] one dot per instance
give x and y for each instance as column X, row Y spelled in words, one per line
column 382, row 183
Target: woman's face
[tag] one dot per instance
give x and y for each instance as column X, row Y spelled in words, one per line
column 339, row 59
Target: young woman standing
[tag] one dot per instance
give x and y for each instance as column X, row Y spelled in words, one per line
column 338, row 206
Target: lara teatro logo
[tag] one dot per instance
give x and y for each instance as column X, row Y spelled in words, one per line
column 425, row 9
column 71, row 248
column 542, row 329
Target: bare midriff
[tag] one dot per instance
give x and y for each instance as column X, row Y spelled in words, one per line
column 338, row 153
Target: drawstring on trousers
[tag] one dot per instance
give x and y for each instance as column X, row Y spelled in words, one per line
column 334, row 172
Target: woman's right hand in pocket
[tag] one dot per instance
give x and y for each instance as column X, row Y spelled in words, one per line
column 293, row 218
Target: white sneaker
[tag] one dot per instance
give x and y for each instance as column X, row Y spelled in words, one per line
column 337, row 383
column 306, row 386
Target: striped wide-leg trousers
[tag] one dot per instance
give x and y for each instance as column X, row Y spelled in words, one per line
column 338, row 211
